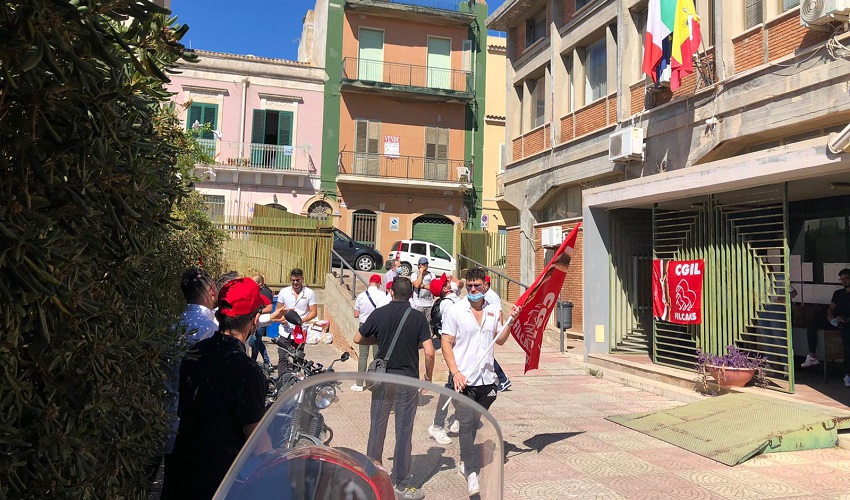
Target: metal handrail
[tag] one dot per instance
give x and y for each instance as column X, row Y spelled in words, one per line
column 407, row 75
column 404, row 167
column 353, row 287
column 489, row 269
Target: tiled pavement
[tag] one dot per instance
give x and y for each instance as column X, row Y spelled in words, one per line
column 558, row 444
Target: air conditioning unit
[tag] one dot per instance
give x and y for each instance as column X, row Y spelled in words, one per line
column 626, row 145
column 551, row 236
column 819, row 12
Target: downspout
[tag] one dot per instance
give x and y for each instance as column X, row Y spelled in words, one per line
column 241, row 144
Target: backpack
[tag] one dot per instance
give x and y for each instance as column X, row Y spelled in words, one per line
column 437, row 316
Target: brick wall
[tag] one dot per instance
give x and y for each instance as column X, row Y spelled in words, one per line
column 785, row 35
column 568, row 131
column 569, row 10
column 531, row 143
column 516, row 149
column 637, row 94
column 688, row 85
column 573, row 282
column 518, row 34
column 592, row 117
column 612, row 108
column 512, row 264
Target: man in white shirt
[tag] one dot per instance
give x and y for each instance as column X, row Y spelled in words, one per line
column 493, row 298
column 302, row 300
column 394, row 265
column 421, row 279
column 446, row 298
column 367, row 302
column 468, row 330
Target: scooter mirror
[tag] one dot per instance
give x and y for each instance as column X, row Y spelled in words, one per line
column 345, row 356
column 292, row 317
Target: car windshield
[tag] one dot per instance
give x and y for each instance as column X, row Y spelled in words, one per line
column 439, row 253
column 340, row 236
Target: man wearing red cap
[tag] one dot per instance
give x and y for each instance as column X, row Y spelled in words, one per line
column 367, row 302
column 446, row 297
column 222, row 396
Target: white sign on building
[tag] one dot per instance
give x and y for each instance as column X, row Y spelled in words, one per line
column 393, row 223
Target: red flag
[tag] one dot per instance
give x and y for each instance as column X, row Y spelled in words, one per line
column 298, row 335
column 539, row 300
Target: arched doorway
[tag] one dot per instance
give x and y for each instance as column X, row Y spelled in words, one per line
column 320, row 210
column 437, row 229
column 364, row 226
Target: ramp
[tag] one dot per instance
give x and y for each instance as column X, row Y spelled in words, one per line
column 735, row 427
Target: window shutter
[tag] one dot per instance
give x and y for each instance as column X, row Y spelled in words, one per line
column 442, row 143
column 284, row 129
column 430, row 142
column 195, row 115
column 466, row 61
column 374, row 137
column 258, row 130
column 360, row 136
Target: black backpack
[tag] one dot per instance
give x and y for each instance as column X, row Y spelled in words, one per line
column 437, row 316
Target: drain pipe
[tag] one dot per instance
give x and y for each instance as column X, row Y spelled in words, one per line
column 241, row 144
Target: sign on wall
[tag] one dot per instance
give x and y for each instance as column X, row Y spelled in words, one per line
column 677, row 291
column 485, row 220
column 393, row 223
column 391, row 146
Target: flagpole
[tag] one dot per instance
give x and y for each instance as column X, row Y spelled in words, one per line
column 486, row 352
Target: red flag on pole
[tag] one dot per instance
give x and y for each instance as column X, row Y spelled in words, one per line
column 539, row 300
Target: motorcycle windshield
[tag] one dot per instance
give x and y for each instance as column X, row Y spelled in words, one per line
column 321, row 440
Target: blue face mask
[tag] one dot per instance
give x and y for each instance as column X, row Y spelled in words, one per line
column 475, row 297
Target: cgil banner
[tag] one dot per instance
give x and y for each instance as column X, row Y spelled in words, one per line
column 677, row 290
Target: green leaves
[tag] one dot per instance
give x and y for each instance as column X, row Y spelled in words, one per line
column 95, row 228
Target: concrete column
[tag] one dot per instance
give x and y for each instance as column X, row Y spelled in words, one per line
column 596, row 287
column 526, row 222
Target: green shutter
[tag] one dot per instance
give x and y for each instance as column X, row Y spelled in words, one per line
column 195, row 115
column 258, row 131
column 439, row 234
column 211, row 118
column 284, row 129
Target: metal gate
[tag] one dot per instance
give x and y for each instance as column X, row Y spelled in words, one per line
column 741, row 236
column 436, row 229
column 363, row 227
column 631, row 281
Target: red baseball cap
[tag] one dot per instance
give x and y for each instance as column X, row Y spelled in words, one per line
column 487, row 279
column 241, row 296
column 375, row 278
column 389, row 284
column 437, row 285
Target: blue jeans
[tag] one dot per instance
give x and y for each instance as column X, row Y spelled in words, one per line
column 257, row 346
column 499, row 372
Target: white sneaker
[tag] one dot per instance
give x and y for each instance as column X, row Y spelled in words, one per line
column 357, row 388
column 846, row 380
column 439, row 435
column 455, row 427
column 472, row 484
column 810, row 361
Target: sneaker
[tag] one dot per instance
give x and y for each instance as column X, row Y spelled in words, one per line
column 439, row 435
column 455, row 427
column 408, row 493
column 357, row 388
column 810, row 361
column 846, row 380
column 504, row 386
column 472, row 484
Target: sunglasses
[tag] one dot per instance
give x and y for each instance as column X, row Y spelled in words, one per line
column 296, row 280
column 473, row 286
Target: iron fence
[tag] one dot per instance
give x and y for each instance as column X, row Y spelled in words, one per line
column 408, row 75
column 404, row 167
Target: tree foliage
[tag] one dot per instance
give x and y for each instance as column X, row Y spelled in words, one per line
column 95, row 226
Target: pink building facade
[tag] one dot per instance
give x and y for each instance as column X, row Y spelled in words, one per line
column 264, row 131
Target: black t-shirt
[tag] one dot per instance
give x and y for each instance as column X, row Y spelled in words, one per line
column 841, row 299
column 383, row 322
column 221, row 391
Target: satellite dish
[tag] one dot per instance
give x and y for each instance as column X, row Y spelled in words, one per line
column 464, row 214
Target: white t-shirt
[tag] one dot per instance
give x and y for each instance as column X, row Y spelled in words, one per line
column 363, row 304
column 300, row 302
column 472, row 341
column 422, row 297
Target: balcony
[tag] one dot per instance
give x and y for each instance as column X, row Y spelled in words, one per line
column 456, row 12
column 265, row 157
column 407, row 80
column 411, row 171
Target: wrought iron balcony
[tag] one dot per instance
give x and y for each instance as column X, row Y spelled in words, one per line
column 391, row 76
column 409, row 168
column 260, row 156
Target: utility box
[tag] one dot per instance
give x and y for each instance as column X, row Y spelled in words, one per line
column 564, row 315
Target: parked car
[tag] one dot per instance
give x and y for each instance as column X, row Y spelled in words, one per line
column 358, row 255
column 439, row 260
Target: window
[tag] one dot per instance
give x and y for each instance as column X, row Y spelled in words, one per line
column 538, row 102
column 571, row 95
column 596, row 72
column 371, row 55
column 367, row 160
column 640, row 18
column 535, row 28
column 215, row 206
column 204, row 114
column 466, row 59
column 754, row 13
column 320, row 210
column 436, row 153
column 439, row 253
column 364, row 227
column 439, row 63
column 271, row 139
column 582, row 3
column 418, row 248
column 789, row 4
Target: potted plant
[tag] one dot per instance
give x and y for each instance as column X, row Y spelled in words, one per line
column 733, row 369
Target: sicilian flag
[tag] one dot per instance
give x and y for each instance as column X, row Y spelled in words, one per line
column 539, row 300
column 686, row 40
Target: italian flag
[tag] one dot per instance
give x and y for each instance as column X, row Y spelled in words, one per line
column 678, row 20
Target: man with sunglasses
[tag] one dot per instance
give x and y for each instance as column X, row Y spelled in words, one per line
column 469, row 328
column 300, row 299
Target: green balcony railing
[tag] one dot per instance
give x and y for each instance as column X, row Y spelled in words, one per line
column 404, row 167
column 407, row 75
column 261, row 156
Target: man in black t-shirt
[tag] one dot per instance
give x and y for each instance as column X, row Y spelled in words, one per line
column 222, row 396
column 380, row 328
column 839, row 315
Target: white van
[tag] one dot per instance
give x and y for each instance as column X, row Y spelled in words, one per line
column 439, row 261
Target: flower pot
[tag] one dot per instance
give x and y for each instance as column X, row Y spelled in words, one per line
column 731, row 377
